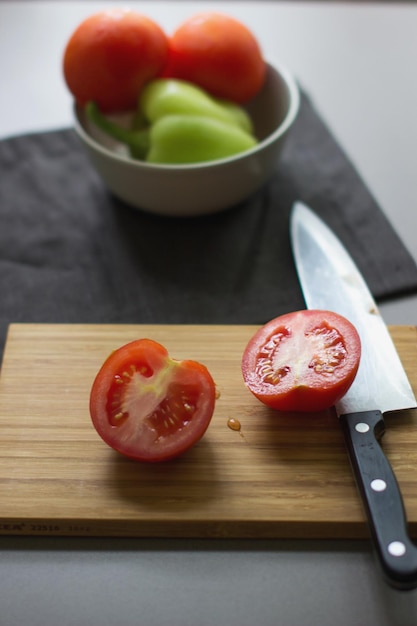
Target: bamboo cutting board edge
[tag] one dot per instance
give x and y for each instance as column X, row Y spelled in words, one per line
column 277, row 478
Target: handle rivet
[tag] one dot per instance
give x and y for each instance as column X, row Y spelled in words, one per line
column 396, row 548
column 378, row 484
column 361, row 427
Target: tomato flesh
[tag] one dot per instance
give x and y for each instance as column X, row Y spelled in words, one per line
column 302, row 361
column 148, row 406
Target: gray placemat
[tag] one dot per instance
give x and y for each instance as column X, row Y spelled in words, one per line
column 70, row 252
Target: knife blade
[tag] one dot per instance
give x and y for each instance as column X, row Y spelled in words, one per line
column 330, row 280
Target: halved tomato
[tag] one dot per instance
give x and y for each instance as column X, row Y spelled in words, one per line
column 302, row 361
column 148, row 406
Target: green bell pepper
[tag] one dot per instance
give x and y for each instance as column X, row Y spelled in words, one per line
column 167, row 96
column 183, row 125
column 136, row 140
column 194, row 139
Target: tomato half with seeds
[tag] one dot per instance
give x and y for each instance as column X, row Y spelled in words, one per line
column 302, row 361
column 149, row 406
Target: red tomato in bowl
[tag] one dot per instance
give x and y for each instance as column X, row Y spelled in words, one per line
column 148, row 406
column 111, row 55
column 302, row 361
column 218, row 53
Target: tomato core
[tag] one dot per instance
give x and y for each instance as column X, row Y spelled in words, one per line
column 322, row 349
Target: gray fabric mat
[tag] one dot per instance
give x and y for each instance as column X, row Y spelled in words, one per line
column 70, row 252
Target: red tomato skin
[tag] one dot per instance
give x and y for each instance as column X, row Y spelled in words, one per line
column 311, row 392
column 218, row 53
column 111, row 55
column 185, row 373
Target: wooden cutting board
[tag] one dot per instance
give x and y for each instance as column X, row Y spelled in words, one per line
column 280, row 476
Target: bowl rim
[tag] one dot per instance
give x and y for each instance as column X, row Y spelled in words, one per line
column 293, row 109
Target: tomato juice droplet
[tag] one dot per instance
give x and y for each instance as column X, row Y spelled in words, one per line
column 234, row 424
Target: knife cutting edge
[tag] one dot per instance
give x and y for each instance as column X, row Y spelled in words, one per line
column 331, row 281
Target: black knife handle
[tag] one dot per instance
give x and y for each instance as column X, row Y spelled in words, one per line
column 381, row 498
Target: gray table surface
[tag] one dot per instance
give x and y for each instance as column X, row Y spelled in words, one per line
column 358, row 61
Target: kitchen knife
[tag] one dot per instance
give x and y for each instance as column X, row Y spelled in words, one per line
column 330, row 280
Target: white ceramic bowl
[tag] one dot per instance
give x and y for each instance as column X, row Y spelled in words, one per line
column 202, row 188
